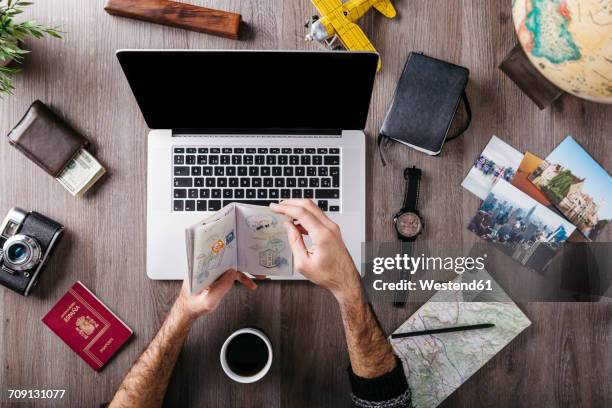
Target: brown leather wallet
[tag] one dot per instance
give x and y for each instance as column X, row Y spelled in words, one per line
column 46, row 139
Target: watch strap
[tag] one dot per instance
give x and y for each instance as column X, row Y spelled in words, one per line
column 412, row 175
column 401, row 296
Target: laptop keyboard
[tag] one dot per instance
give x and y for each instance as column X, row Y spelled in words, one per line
column 209, row 178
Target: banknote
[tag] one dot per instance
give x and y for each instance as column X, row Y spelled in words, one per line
column 82, row 172
column 245, row 237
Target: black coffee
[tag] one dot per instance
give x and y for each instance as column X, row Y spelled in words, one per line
column 246, row 354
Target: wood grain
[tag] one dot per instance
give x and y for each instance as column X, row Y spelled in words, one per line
column 561, row 360
column 181, row 15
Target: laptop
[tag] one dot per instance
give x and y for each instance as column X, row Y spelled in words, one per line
column 253, row 127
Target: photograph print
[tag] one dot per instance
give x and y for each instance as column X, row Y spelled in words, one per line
column 577, row 185
column 497, row 161
column 522, row 227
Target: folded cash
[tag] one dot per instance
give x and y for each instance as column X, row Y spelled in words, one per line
column 245, row 237
column 82, row 172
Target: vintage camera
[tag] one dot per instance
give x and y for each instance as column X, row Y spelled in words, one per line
column 27, row 239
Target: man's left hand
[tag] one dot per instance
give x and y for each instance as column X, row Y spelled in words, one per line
column 194, row 306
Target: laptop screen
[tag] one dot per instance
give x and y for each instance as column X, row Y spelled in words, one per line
column 250, row 90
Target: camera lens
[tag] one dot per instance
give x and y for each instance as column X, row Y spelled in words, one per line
column 21, row 252
column 17, row 253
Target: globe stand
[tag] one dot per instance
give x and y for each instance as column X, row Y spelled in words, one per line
column 521, row 71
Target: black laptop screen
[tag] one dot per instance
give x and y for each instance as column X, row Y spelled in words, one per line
column 243, row 90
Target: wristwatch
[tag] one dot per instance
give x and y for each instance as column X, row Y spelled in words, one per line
column 408, row 221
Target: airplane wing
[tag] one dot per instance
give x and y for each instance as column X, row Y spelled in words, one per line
column 385, row 8
column 351, row 35
column 326, row 6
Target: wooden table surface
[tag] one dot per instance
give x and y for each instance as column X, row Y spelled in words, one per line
column 563, row 359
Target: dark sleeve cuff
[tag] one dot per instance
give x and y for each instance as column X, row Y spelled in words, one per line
column 386, row 387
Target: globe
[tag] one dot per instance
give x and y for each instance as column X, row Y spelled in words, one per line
column 569, row 42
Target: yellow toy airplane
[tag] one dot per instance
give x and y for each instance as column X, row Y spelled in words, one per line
column 338, row 21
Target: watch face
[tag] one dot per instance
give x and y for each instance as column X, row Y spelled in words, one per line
column 409, row 224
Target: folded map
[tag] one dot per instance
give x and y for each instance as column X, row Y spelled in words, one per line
column 437, row 364
column 245, row 237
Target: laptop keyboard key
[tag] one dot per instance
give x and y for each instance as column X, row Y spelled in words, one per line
column 308, row 193
column 178, row 205
column 179, row 150
column 273, row 193
column 245, row 182
column 204, row 193
column 183, row 182
column 317, row 160
column 285, row 193
column 190, row 159
column 300, row 171
column 196, row 171
column 202, row 159
column 250, row 193
column 291, row 182
column 265, row 171
column 323, row 205
column 296, row 193
column 256, row 182
column 268, row 182
column 189, row 205
column 239, row 193
column 214, row 205
column 328, row 193
column 262, row 193
column 331, row 160
column 207, row 171
column 279, row 182
column 313, row 182
column 302, row 182
column 236, row 160
column 193, row 193
column 181, row 171
column 242, row 171
column 222, row 182
column 210, row 182
column 334, row 208
column 228, row 193
column 233, row 182
column 311, row 171
column 277, row 171
column 225, row 160
column 180, row 193
column 253, row 171
column 213, row 159
column 179, row 160
column 201, row 205
column 219, row 171
column 215, row 193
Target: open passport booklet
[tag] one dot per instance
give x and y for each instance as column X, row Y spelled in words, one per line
column 245, row 237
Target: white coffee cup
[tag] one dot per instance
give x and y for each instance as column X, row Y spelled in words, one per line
column 241, row 378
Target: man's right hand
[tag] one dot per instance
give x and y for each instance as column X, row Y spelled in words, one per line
column 327, row 262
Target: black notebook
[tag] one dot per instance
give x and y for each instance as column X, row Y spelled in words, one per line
column 426, row 99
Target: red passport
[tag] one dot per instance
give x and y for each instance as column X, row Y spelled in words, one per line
column 87, row 326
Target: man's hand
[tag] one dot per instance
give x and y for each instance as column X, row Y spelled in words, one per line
column 194, row 306
column 327, row 262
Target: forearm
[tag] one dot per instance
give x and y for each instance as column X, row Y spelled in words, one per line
column 145, row 384
column 376, row 374
column 369, row 350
